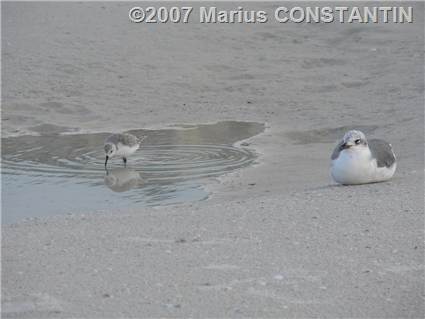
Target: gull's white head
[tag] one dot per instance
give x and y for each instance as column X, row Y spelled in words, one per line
column 354, row 140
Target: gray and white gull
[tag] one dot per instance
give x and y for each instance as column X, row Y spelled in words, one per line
column 357, row 160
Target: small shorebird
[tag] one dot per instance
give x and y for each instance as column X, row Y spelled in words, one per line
column 121, row 144
column 357, row 160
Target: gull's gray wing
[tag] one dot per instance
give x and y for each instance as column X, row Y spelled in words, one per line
column 382, row 152
column 337, row 150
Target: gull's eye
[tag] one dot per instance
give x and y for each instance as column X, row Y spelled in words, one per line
column 357, row 142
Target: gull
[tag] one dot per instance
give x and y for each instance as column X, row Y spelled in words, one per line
column 357, row 160
column 121, row 144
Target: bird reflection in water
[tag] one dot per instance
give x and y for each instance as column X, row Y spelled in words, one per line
column 122, row 179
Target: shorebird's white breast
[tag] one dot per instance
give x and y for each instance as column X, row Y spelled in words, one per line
column 356, row 166
column 125, row 150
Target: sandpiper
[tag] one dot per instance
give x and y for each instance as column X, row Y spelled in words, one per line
column 121, row 144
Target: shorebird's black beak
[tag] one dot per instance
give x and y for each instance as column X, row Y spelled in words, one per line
column 106, row 160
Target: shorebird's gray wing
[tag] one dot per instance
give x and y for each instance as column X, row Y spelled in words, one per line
column 125, row 139
column 128, row 139
column 337, row 150
column 382, row 152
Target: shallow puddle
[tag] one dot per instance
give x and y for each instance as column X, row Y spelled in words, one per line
column 61, row 174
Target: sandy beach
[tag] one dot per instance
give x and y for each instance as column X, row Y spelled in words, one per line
column 276, row 239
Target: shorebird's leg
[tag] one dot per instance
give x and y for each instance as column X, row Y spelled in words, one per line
column 125, row 161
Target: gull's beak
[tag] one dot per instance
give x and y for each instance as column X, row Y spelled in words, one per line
column 106, row 160
column 345, row 146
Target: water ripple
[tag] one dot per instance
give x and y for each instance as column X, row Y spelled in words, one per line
column 155, row 162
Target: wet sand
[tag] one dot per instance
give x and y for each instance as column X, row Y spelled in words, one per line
column 276, row 239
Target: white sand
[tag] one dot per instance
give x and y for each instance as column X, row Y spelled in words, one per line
column 278, row 239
